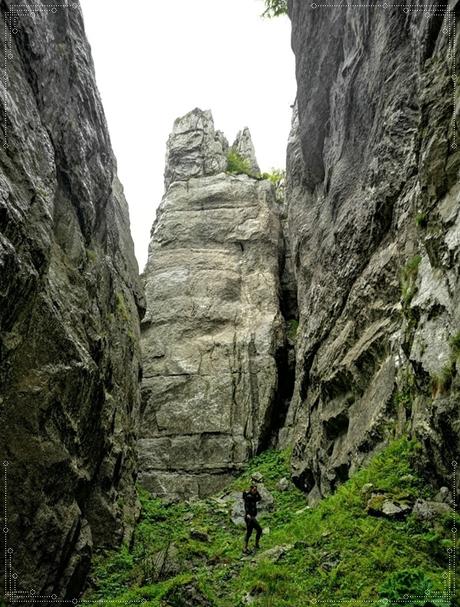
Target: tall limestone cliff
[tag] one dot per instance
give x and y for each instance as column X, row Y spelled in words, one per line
column 70, row 300
column 374, row 229
column 212, row 332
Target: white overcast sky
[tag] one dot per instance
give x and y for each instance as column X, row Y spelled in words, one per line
column 158, row 59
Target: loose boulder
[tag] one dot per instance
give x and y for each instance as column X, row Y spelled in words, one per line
column 428, row 510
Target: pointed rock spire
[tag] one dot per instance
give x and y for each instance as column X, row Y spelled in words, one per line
column 195, row 148
column 213, row 325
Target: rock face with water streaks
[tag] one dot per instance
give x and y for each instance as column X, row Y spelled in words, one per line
column 374, row 231
column 212, row 330
column 70, row 301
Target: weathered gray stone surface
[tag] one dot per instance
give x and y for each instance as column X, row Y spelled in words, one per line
column 374, row 234
column 426, row 510
column 274, row 554
column 195, row 148
column 70, row 299
column 444, row 496
column 283, row 484
column 213, row 326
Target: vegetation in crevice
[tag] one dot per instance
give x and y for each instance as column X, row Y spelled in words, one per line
column 406, row 391
column 91, row 256
column 409, row 275
column 408, row 284
column 237, row 165
column 334, row 551
column 122, row 313
column 292, row 327
column 421, row 220
column 455, row 346
column 277, row 177
column 120, row 307
column 441, row 383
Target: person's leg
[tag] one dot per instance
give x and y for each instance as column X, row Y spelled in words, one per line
column 258, row 529
column 249, row 528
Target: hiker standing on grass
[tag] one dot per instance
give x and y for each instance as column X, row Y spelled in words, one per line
column 250, row 499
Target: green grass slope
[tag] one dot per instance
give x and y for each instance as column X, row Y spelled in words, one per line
column 191, row 553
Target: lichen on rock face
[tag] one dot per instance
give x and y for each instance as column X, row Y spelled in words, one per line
column 213, row 326
column 69, row 309
column 373, row 221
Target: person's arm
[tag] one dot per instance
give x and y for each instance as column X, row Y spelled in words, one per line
column 258, row 497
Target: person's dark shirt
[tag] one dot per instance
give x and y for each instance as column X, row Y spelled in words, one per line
column 250, row 502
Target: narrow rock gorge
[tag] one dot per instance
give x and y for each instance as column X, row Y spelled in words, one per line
column 70, row 302
column 321, row 315
column 213, row 330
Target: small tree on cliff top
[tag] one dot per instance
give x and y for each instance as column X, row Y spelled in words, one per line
column 275, row 8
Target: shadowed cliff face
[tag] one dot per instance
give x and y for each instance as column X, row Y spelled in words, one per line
column 374, row 230
column 70, row 300
column 213, row 328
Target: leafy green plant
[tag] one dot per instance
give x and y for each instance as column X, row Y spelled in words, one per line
column 275, row 8
column 277, row 177
column 237, row 165
column 413, row 587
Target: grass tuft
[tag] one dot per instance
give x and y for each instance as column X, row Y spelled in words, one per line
column 409, row 275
